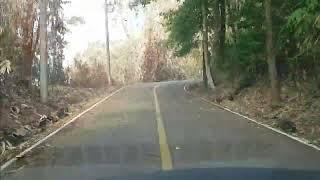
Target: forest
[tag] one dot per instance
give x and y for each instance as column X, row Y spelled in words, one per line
column 246, row 41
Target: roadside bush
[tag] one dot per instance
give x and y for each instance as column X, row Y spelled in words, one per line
column 87, row 75
column 156, row 66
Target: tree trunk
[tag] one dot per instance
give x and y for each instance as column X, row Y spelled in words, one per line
column 26, row 76
column 273, row 74
column 204, row 72
column 205, row 45
column 27, row 27
column 222, row 31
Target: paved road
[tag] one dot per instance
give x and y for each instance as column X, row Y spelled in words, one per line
column 144, row 129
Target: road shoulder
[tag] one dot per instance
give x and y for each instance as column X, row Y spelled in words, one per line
column 190, row 92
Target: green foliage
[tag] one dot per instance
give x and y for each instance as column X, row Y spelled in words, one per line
column 296, row 27
column 245, row 51
column 244, row 48
column 299, row 39
column 245, row 56
column 183, row 26
column 304, row 25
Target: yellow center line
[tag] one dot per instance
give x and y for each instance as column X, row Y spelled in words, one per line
column 166, row 160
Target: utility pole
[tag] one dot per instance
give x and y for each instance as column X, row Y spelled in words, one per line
column 107, row 42
column 43, row 52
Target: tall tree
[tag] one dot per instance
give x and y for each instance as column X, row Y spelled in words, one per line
column 56, row 41
column 205, row 47
column 273, row 73
column 29, row 27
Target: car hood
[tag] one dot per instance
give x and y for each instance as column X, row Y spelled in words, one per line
column 227, row 174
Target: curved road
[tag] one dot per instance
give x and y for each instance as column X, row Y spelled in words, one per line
column 147, row 128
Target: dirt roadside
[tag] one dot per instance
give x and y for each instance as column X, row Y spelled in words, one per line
column 24, row 121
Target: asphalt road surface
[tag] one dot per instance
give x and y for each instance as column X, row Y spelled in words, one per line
column 156, row 128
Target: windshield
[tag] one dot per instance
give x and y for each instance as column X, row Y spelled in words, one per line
column 159, row 89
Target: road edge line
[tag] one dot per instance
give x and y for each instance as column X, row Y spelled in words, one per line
column 9, row 162
column 300, row 140
column 166, row 158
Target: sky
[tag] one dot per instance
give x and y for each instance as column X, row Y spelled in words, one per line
column 94, row 28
